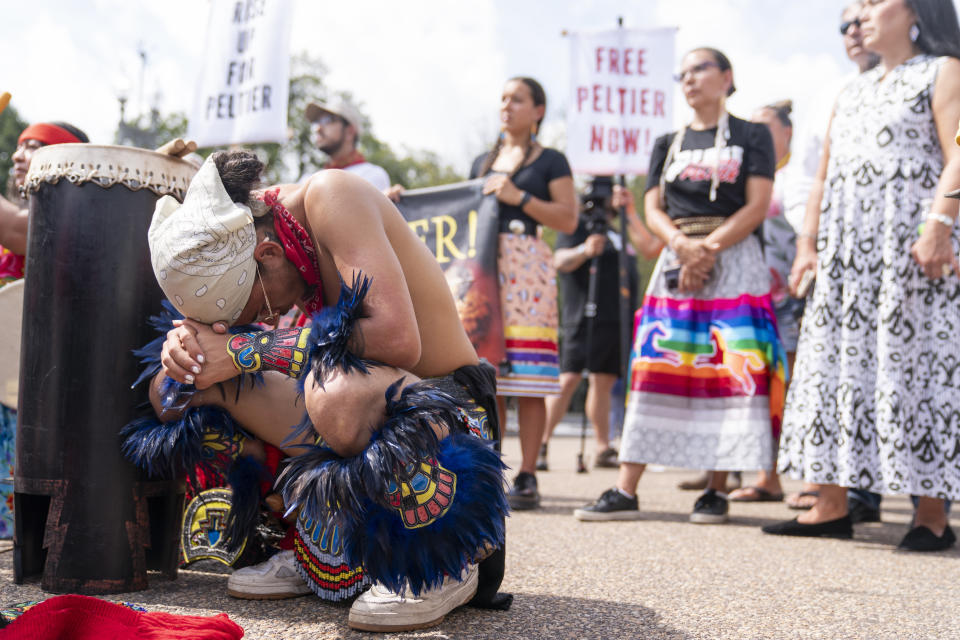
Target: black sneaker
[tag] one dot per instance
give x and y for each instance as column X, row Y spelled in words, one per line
column 612, row 505
column 710, row 508
column 523, row 495
column 862, row 512
column 542, row 458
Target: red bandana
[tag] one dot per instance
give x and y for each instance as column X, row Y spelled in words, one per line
column 299, row 249
column 47, row 134
column 355, row 158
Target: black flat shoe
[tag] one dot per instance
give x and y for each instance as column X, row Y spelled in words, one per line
column 922, row 539
column 839, row 528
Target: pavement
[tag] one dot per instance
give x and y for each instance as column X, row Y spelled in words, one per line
column 659, row 577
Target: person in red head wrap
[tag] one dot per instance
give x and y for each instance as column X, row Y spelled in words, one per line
column 13, row 216
column 13, row 246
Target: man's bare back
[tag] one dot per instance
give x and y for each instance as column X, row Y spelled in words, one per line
column 353, row 227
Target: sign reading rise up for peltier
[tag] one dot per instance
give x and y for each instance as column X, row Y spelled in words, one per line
column 244, row 74
column 621, row 98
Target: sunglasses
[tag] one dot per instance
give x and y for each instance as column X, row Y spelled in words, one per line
column 846, row 24
column 697, row 68
column 327, row 118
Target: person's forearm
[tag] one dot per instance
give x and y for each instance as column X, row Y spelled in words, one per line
column 807, row 235
column 556, row 215
column 283, row 350
column 661, row 225
column 646, row 243
column 13, row 226
column 738, row 226
column 567, row 260
column 949, row 180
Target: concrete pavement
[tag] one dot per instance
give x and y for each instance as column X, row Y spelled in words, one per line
column 659, row 577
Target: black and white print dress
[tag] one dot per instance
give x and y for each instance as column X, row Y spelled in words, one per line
column 875, row 398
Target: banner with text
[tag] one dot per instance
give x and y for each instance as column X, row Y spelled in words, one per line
column 244, row 76
column 459, row 226
column 621, row 98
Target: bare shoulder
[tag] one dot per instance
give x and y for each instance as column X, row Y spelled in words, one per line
column 333, row 196
column 946, row 92
column 948, row 76
column 332, row 185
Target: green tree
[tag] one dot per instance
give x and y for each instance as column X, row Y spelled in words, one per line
column 151, row 131
column 417, row 169
column 11, row 125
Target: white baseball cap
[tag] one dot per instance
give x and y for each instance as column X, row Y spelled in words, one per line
column 337, row 106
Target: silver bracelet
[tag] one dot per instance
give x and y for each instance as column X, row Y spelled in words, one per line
column 806, row 234
column 941, row 218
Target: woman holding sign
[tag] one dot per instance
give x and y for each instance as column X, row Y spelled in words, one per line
column 707, row 373
column 534, row 187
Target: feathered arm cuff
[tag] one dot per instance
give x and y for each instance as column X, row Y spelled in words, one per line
column 332, row 328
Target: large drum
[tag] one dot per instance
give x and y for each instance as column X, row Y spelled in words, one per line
column 86, row 519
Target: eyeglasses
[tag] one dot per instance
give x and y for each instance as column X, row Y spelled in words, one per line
column 846, row 24
column 697, row 68
column 325, row 119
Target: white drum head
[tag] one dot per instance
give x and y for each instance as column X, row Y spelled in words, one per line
column 11, row 316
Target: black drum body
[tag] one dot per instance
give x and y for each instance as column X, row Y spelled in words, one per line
column 85, row 518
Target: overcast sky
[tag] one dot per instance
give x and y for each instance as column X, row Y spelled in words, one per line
column 427, row 72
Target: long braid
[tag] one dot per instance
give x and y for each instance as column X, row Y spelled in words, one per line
column 719, row 143
column 674, row 149
column 526, row 156
column 491, row 157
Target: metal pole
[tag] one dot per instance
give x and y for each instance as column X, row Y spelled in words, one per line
column 590, row 313
column 626, row 313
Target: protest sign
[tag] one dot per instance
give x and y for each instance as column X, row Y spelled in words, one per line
column 459, row 226
column 244, row 76
column 621, row 98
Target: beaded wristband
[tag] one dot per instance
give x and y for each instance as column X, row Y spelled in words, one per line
column 283, row 350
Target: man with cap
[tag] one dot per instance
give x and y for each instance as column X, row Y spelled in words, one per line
column 337, row 127
column 335, row 247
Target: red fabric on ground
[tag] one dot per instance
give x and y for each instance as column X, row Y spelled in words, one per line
column 73, row 617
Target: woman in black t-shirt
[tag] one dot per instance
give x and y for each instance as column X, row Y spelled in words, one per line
column 533, row 187
column 706, row 377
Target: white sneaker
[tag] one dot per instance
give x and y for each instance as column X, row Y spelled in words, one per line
column 275, row 579
column 379, row 609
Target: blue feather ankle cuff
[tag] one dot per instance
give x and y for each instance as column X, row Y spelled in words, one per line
column 409, row 509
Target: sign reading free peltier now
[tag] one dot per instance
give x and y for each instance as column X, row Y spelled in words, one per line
column 243, row 86
column 621, row 98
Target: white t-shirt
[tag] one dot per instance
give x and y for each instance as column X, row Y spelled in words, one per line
column 801, row 171
column 372, row 173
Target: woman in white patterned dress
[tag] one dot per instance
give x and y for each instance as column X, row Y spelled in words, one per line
column 875, row 403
